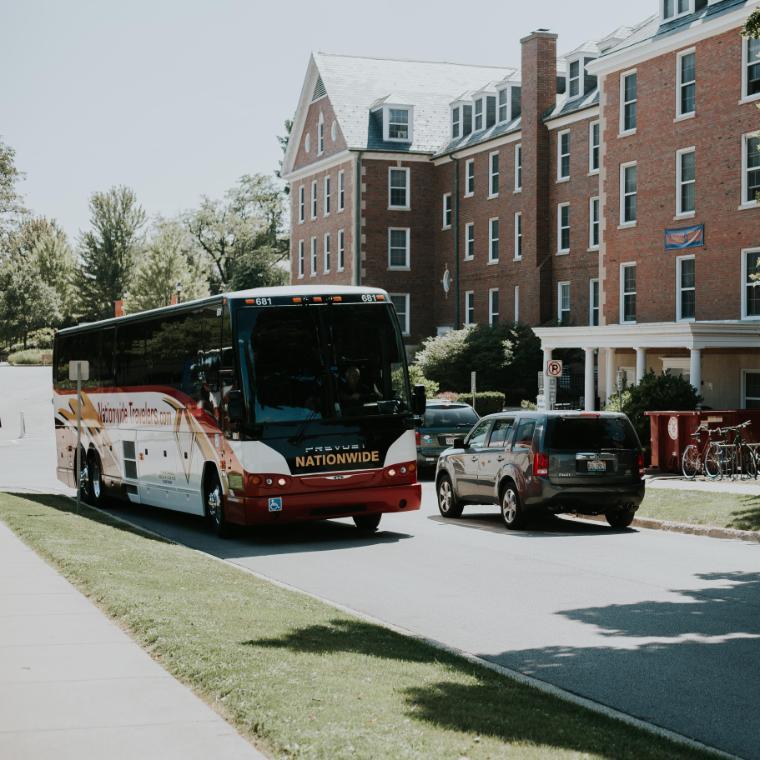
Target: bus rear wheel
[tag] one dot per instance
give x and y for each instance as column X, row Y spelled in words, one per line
column 93, row 488
column 367, row 523
column 213, row 500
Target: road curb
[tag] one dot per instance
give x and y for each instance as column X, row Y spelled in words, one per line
column 515, row 675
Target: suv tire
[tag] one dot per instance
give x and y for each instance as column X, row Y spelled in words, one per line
column 621, row 518
column 448, row 503
column 512, row 511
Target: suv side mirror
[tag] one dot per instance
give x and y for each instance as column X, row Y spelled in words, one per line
column 419, row 400
column 459, row 443
column 235, row 409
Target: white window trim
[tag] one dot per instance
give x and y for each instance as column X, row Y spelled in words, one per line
column 563, row 177
column 746, row 372
column 621, row 306
column 491, row 314
column 559, row 299
column 508, row 105
column 492, row 174
column 745, row 169
column 676, row 14
column 321, row 134
column 680, row 213
column 406, row 267
column 447, row 209
column 518, row 168
column 469, row 165
column 406, row 326
column 682, row 116
column 518, row 236
column 301, row 204
column 623, row 223
column 560, row 250
column 591, row 301
column 592, row 246
column 456, row 133
column 679, row 310
column 591, row 170
column 407, row 171
column 341, row 250
column 580, row 77
column 744, row 98
column 622, row 131
column 386, row 123
column 341, row 190
column 326, row 251
column 301, row 259
column 314, row 200
column 314, row 256
column 468, row 294
column 470, row 226
column 517, row 303
column 326, row 196
column 492, row 240
column 745, row 256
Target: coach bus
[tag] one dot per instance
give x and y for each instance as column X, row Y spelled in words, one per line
column 266, row 405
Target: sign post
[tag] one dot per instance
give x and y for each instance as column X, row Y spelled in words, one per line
column 553, row 370
column 79, row 371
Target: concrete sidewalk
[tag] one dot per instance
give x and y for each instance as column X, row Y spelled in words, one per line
column 73, row 685
column 676, row 483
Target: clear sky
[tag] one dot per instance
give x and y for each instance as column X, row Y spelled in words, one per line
column 178, row 98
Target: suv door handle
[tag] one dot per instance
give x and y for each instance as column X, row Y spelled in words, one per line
column 500, row 459
column 474, row 459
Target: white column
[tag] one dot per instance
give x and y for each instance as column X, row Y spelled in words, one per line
column 547, row 357
column 609, row 373
column 589, row 392
column 695, row 369
column 641, row 364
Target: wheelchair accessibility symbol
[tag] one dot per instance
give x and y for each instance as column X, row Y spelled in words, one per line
column 275, row 504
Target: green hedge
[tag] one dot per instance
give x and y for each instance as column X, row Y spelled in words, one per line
column 486, row 402
column 31, row 356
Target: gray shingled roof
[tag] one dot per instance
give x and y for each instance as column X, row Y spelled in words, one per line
column 353, row 84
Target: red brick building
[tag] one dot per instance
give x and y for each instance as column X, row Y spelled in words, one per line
column 610, row 191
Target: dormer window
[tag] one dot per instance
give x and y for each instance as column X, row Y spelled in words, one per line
column 579, row 81
column 478, row 114
column 456, row 122
column 508, row 99
column 397, row 124
column 485, row 112
column 575, row 79
column 672, row 9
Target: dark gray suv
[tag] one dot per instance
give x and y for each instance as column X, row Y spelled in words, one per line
column 585, row 463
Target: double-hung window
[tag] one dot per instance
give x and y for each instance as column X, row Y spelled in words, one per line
column 469, row 177
column 313, row 257
column 628, row 102
column 751, row 69
column 469, row 307
column 314, row 199
column 593, row 302
column 456, row 122
column 563, row 228
column 301, row 204
column 398, row 248
column 503, row 105
column 493, row 306
column 469, row 241
column 341, row 190
column 518, row 236
column 627, row 293
column 398, row 188
column 751, row 284
column 400, row 302
column 628, row 194
column 341, row 250
column 517, row 303
column 328, row 196
column 321, row 135
column 686, row 84
column 493, row 175
column 563, row 155
column 576, row 71
column 478, row 125
column 593, row 223
column 563, row 303
column 326, row 253
column 674, row 8
column 301, row 260
column 446, row 211
column 686, row 288
column 399, row 125
column 750, row 169
column 518, row 167
column 751, row 389
column 686, row 182
column 593, row 147
column 493, row 241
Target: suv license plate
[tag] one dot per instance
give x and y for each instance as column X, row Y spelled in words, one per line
column 449, row 441
column 597, row 465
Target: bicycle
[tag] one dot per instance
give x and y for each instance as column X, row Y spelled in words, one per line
column 735, row 456
column 695, row 462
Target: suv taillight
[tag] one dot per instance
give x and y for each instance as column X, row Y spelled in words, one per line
column 641, row 463
column 417, row 437
column 540, row 465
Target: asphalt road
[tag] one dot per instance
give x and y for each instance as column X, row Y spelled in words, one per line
column 663, row 626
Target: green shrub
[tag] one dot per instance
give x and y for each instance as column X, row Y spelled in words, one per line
column 655, row 393
column 417, row 377
column 31, row 356
column 42, row 338
column 529, row 406
column 486, row 402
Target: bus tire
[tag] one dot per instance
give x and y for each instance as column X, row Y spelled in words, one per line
column 213, row 502
column 94, row 484
column 367, row 523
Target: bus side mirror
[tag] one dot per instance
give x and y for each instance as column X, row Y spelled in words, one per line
column 235, row 409
column 419, row 400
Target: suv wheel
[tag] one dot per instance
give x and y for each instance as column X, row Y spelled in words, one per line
column 512, row 511
column 621, row 518
column 448, row 503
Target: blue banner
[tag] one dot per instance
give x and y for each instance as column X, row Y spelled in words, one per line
column 682, row 238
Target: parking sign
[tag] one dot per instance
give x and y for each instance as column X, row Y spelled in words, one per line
column 554, row 368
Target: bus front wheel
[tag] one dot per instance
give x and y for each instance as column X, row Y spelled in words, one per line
column 214, row 505
column 367, row 523
column 94, row 480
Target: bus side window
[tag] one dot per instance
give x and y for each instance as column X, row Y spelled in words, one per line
column 131, row 355
column 104, row 375
column 62, row 359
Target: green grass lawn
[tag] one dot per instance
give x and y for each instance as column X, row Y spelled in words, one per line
column 299, row 677
column 702, row 508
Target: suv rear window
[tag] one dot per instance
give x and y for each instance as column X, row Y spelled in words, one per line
column 451, row 416
column 576, row 433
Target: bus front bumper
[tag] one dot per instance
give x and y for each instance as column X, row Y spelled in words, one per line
column 298, row 507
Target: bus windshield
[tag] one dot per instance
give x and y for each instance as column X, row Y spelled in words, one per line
column 322, row 362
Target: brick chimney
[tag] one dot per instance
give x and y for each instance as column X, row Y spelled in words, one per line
column 539, row 94
column 118, row 308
